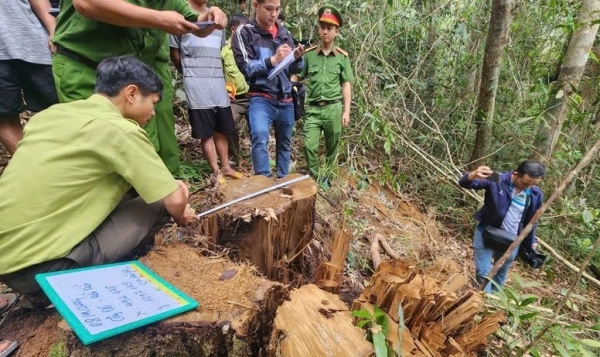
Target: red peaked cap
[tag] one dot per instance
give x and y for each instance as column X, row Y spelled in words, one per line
column 330, row 15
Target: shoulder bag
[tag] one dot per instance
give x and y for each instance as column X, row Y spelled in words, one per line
column 500, row 239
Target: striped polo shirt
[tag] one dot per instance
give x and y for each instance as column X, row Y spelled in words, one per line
column 515, row 211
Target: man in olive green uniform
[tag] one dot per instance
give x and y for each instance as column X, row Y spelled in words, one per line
column 66, row 192
column 327, row 75
column 88, row 31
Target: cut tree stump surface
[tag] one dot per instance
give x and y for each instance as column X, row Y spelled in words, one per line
column 270, row 230
column 316, row 323
column 235, row 316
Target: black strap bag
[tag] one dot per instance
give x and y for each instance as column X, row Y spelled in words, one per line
column 499, row 239
column 532, row 257
column 298, row 97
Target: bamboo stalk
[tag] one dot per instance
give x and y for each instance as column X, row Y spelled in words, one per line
column 566, row 262
column 584, row 161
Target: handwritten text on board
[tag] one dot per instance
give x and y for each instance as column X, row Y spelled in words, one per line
column 113, row 296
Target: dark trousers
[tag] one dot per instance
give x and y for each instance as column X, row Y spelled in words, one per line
column 129, row 229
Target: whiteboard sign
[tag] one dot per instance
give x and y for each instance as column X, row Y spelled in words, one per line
column 106, row 300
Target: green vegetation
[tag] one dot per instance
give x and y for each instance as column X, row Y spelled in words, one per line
column 418, row 67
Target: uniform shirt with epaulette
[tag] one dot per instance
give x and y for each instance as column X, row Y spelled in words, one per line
column 325, row 74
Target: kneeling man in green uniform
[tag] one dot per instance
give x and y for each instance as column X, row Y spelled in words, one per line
column 328, row 76
column 66, row 193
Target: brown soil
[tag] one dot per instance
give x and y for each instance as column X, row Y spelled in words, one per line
column 201, row 277
column 34, row 331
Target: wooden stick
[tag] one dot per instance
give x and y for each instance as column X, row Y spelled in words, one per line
column 566, row 262
column 375, row 252
column 584, row 161
column 386, row 246
column 238, row 304
column 566, row 297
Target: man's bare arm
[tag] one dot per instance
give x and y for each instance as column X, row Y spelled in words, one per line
column 176, row 59
column 177, row 206
column 347, row 100
column 41, row 8
column 122, row 13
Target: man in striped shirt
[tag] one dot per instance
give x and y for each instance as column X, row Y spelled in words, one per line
column 511, row 200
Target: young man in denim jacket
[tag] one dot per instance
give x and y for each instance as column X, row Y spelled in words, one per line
column 510, row 200
column 258, row 47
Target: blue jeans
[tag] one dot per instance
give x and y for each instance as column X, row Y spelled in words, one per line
column 262, row 112
column 483, row 261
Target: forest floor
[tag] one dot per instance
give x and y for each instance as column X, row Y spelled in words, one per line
column 413, row 231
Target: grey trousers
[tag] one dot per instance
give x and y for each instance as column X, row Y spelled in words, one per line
column 127, row 231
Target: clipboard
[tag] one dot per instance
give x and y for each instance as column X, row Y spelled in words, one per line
column 281, row 66
column 106, row 300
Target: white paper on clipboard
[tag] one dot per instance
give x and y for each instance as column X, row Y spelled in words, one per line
column 282, row 65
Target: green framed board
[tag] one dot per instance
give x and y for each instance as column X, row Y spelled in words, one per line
column 106, row 300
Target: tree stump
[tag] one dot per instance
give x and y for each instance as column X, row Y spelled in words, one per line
column 439, row 320
column 235, row 316
column 270, row 230
column 316, row 323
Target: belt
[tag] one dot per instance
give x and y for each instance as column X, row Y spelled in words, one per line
column 68, row 53
column 322, row 103
column 285, row 99
column 241, row 96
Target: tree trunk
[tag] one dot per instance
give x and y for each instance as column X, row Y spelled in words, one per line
column 494, row 48
column 571, row 72
column 316, row 323
column 234, row 318
column 271, row 230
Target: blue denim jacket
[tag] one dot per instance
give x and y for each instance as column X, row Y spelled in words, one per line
column 497, row 202
column 252, row 49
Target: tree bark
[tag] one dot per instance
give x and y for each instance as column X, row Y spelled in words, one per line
column 271, row 230
column 571, row 72
column 496, row 41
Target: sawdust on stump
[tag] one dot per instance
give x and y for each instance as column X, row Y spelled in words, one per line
column 200, row 277
column 235, row 317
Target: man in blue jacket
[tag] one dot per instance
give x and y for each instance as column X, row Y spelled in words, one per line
column 258, row 47
column 511, row 200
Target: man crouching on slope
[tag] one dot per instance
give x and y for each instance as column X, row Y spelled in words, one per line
column 66, row 199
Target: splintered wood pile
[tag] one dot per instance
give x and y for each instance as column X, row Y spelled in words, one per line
column 316, row 323
column 439, row 320
column 235, row 316
column 270, row 230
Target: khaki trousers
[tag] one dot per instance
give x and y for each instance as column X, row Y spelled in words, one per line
column 129, row 230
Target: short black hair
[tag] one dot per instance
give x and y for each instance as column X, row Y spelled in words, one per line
column 241, row 1
column 281, row 16
column 237, row 20
column 532, row 168
column 115, row 73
